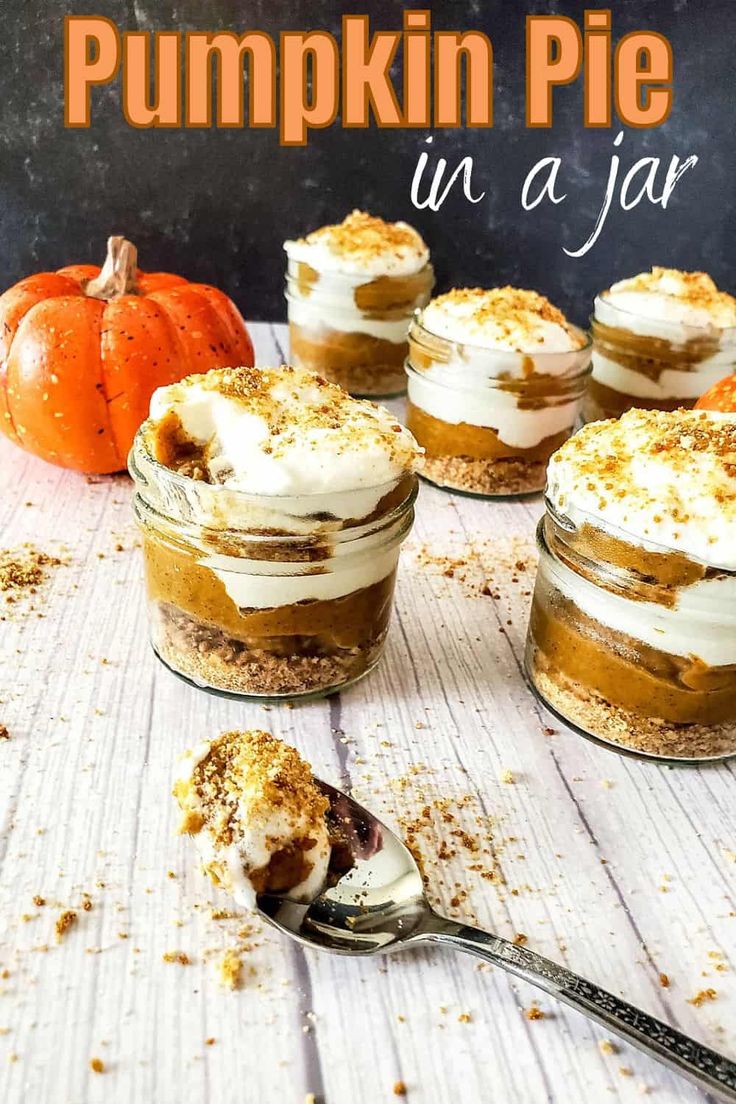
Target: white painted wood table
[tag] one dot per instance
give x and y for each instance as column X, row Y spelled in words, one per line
column 620, row 869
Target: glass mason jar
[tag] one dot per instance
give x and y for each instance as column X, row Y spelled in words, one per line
column 490, row 420
column 352, row 330
column 652, row 364
column 270, row 598
column 637, row 648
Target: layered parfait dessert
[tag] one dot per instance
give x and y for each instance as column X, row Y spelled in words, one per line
column 660, row 339
column 257, row 816
column 272, row 507
column 351, row 291
column 633, row 626
column 495, row 385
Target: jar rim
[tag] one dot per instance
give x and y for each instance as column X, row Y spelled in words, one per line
column 140, row 447
column 665, row 324
column 543, row 357
column 572, row 525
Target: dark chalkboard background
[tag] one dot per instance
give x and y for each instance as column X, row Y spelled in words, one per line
column 216, row 205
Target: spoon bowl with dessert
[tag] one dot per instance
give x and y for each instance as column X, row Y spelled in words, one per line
column 324, row 871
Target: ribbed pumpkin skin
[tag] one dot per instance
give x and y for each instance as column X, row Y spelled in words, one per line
column 722, row 396
column 77, row 373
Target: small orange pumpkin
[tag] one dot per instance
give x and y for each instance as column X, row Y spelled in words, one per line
column 83, row 349
column 722, row 396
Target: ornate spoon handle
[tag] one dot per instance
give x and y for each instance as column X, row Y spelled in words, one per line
column 706, row 1068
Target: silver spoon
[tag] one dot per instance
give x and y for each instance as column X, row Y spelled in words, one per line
column 375, row 902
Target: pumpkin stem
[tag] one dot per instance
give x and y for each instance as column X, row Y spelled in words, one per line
column 119, row 273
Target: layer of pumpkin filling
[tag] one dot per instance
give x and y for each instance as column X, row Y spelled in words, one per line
column 257, row 816
column 628, row 672
column 361, row 363
column 476, row 459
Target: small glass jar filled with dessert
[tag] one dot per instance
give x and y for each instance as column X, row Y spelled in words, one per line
column 272, row 507
column 632, row 636
column 351, row 290
column 660, row 339
column 495, row 384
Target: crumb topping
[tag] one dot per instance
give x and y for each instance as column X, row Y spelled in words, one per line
column 668, row 477
column 235, row 423
column 516, row 319
column 366, row 237
column 695, row 289
column 271, row 773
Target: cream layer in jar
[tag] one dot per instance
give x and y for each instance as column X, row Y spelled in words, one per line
column 660, row 339
column 495, row 381
column 633, row 626
column 351, row 290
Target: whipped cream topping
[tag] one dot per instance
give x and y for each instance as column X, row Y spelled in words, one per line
column 288, row 432
column 670, row 296
column 506, row 319
column 363, row 246
column 659, row 479
column 246, row 796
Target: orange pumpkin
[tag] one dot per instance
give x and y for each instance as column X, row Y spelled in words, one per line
column 83, row 349
column 722, row 396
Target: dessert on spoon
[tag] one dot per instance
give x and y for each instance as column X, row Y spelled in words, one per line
column 323, row 870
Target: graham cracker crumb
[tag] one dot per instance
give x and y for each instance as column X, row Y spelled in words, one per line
column 501, row 476
column 97, row 1065
column 704, row 995
column 535, row 1013
column 23, row 570
column 65, row 921
column 399, row 1088
column 363, row 237
column 664, row 981
column 607, row 1047
column 177, row 956
column 230, row 969
column 39, row 901
column 4, row 733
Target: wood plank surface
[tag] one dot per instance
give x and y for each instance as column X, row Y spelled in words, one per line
column 622, row 870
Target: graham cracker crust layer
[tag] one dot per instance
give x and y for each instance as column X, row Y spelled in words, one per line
column 649, row 735
column 504, row 476
column 204, row 654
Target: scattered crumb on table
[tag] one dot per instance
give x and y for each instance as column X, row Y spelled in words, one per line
column 65, row 921
column 177, row 956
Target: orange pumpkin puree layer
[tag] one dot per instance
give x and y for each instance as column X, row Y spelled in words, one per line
column 440, row 439
column 174, row 576
column 627, row 672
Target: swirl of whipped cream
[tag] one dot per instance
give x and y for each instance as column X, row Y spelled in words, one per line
column 362, row 246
